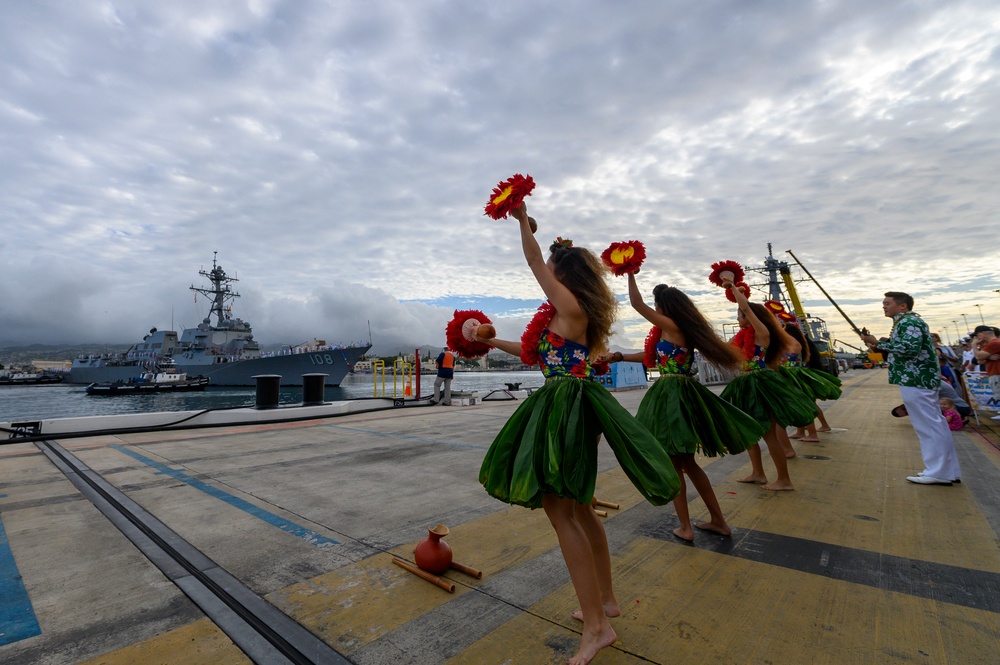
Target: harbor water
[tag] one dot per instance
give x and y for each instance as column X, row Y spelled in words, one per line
column 64, row 400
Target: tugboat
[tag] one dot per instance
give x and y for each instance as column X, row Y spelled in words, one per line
column 163, row 378
column 225, row 352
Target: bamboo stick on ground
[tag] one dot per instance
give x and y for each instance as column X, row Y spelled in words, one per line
column 601, row 513
column 433, row 579
column 472, row 572
column 607, row 504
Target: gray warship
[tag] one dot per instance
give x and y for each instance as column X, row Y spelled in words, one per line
column 226, row 352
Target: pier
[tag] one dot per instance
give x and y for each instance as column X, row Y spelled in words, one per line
column 274, row 542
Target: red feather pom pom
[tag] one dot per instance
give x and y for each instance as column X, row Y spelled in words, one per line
column 600, row 367
column 779, row 311
column 508, row 195
column 725, row 266
column 460, row 330
column 742, row 287
column 624, row 257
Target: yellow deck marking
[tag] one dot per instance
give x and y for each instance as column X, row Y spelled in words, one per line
column 681, row 604
column 198, row 643
column 355, row 605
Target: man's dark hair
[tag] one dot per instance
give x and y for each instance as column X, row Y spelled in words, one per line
column 901, row 298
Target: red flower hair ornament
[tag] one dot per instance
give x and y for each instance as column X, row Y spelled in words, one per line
column 624, row 257
column 462, row 329
column 723, row 270
column 508, row 195
column 742, row 286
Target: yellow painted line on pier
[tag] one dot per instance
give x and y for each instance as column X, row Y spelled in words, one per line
column 198, row 643
column 682, row 604
column 859, row 496
column 355, row 605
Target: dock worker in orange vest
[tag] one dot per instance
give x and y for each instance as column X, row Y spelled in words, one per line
column 446, row 372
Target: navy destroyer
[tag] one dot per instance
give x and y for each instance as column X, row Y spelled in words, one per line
column 226, row 352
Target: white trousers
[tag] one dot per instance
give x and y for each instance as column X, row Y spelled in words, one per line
column 937, row 446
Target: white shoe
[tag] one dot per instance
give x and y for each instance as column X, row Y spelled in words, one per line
column 956, row 480
column 927, row 480
column 994, row 417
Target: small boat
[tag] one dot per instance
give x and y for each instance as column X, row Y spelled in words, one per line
column 27, row 378
column 163, row 378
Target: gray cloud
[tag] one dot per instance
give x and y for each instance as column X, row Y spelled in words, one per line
column 338, row 155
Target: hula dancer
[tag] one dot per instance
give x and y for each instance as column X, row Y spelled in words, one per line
column 683, row 415
column 546, row 454
column 761, row 392
column 815, row 383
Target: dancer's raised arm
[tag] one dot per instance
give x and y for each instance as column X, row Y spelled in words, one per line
column 566, row 304
column 762, row 336
column 671, row 332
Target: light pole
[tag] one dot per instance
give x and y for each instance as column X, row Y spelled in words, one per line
column 966, row 319
column 981, row 319
column 955, row 321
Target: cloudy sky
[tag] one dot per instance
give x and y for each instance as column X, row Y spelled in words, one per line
column 338, row 156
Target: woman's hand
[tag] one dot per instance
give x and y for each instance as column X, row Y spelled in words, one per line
column 608, row 357
column 520, row 213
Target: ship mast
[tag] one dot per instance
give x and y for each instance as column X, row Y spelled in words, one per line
column 773, row 267
column 219, row 293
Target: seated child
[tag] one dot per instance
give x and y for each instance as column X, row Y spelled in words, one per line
column 955, row 422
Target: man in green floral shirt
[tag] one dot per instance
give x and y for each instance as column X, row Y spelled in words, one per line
column 914, row 367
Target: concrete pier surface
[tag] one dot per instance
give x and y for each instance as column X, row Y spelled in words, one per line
column 275, row 542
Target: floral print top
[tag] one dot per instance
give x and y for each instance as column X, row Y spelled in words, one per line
column 793, row 360
column 673, row 359
column 562, row 357
column 912, row 357
column 757, row 361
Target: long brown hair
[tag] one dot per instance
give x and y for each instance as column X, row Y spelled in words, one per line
column 796, row 333
column 780, row 340
column 698, row 332
column 580, row 271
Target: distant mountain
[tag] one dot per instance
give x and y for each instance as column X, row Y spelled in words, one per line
column 23, row 355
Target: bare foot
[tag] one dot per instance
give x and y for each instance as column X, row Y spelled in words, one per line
column 824, row 429
column 779, row 486
column 810, row 440
column 759, row 480
column 789, row 453
column 611, row 611
column 684, row 534
column 721, row 529
column 591, row 643
column 797, row 435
